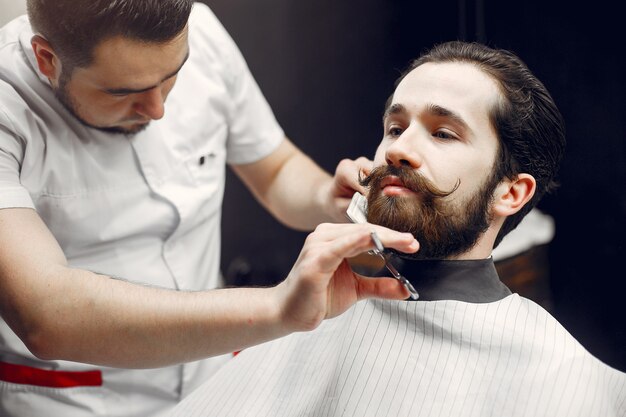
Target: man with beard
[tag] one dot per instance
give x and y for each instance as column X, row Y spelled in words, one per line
column 110, row 209
column 472, row 140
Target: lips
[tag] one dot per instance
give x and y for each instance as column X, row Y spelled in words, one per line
column 394, row 186
column 391, row 180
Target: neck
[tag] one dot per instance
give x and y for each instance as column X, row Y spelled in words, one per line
column 474, row 281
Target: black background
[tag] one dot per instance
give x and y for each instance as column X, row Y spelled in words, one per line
column 327, row 67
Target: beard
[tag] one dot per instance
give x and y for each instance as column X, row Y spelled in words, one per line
column 62, row 94
column 443, row 228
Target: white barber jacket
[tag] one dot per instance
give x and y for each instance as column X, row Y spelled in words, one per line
column 146, row 208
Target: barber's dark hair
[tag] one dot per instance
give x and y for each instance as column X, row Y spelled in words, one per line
column 530, row 128
column 75, row 27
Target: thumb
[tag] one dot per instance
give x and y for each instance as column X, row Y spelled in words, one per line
column 386, row 288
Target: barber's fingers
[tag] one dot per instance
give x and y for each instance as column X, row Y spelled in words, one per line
column 349, row 172
column 389, row 238
column 364, row 165
column 331, row 243
column 322, row 284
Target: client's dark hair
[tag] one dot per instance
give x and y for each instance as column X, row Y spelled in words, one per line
column 529, row 126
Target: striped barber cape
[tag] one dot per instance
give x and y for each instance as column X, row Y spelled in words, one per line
column 424, row 358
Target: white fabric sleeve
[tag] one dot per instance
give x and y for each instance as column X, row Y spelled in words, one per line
column 12, row 193
column 253, row 130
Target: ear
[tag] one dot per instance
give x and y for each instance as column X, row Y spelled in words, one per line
column 511, row 195
column 47, row 60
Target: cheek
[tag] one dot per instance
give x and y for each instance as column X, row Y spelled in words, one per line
column 167, row 87
column 95, row 102
column 474, row 180
column 470, row 166
column 96, row 107
column 111, row 110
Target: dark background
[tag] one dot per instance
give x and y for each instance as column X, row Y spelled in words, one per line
column 327, row 67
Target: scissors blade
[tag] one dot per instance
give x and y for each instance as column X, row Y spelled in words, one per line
column 379, row 250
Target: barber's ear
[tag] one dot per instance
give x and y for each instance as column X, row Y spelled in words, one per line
column 47, row 60
column 511, row 195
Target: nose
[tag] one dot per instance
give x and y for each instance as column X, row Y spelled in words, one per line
column 151, row 104
column 403, row 151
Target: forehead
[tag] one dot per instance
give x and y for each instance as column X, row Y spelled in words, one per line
column 460, row 87
column 135, row 62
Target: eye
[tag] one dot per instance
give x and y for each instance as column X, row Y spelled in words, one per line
column 117, row 96
column 394, row 131
column 444, row 135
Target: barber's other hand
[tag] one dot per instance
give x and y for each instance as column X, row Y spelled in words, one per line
column 345, row 182
column 322, row 285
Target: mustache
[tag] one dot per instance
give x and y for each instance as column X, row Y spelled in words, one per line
column 410, row 178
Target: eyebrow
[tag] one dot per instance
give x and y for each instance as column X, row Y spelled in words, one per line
column 123, row 91
column 439, row 111
column 394, row 109
column 433, row 110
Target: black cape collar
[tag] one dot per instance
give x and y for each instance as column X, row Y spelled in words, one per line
column 473, row 281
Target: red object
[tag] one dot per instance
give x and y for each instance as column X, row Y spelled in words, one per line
column 20, row 374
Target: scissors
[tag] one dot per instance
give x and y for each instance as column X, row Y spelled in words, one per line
column 356, row 213
column 379, row 250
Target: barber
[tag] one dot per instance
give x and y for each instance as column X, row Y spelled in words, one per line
column 117, row 120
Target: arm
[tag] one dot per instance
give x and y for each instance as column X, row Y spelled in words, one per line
column 65, row 313
column 297, row 191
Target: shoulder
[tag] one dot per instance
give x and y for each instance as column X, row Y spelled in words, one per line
column 19, row 82
column 14, row 111
column 555, row 347
column 201, row 12
column 207, row 32
column 10, row 33
column 12, row 54
column 212, row 49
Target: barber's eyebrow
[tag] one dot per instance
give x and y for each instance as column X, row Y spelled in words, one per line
column 124, row 91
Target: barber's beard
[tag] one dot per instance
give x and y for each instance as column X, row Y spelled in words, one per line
column 62, row 94
column 443, row 228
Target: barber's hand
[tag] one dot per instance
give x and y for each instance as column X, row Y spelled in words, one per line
column 344, row 184
column 322, row 285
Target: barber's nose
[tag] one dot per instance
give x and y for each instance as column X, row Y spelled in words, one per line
column 403, row 151
column 151, row 104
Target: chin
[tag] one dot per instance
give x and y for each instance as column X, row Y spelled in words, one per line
column 123, row 130
column 137, row 128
